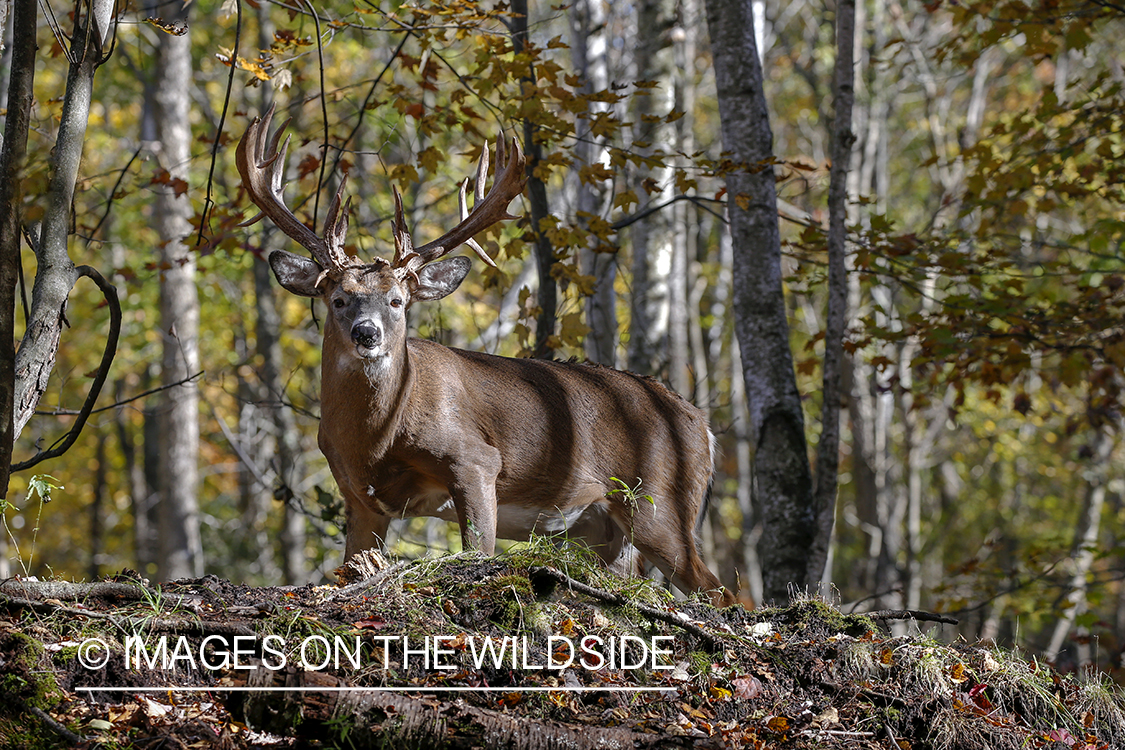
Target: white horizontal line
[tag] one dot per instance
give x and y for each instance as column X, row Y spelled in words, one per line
column 418, row 689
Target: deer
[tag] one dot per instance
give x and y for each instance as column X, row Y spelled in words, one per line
column 506, row 447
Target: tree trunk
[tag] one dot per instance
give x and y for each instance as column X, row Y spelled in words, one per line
column 588, row 52
column 537, row 198
column 652, row 236
column 181, row 553
column 828, row 449
column 13, row 155
column 681, row 282
column 287, row 448
column 1085, row 546
column 56, row 274
column 782, row 479
column 97, row 506
column 140, row 496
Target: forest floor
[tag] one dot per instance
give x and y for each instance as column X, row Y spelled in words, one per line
column 459, row 650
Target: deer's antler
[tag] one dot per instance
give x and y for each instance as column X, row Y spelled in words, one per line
column 262, row 168
column 488, row 209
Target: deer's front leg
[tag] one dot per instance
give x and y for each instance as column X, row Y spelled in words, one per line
column 364, row 527
column 474, row 496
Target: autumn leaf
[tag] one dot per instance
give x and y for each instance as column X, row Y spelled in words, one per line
column 175, row 29
column 162, row 177
column 307, row 166
column 747, row 688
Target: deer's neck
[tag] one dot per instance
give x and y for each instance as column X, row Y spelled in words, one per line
column 363, row 402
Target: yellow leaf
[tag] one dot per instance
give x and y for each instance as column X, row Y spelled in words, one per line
column 571, row 328
column 625, row 199
column 429, row 159
column 404, row 174
column 778, row 724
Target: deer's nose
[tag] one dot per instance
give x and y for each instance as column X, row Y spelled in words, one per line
column 367, row 335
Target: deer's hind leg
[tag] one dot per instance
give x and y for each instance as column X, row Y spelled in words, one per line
column 664, row 532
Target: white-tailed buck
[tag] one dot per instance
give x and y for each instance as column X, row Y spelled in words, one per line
column 505, row 447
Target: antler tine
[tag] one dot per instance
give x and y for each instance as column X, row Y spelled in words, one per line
column 482, row 172
column 336, row 227
column 489, row 208
column 463, row 209
column 262, row 166
column 404, row 244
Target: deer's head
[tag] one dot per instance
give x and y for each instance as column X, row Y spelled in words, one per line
column 367, row 302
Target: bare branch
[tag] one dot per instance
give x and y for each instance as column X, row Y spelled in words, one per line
column 61, row 447
column 122, row 402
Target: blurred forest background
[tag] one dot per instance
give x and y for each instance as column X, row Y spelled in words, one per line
column 980, row 452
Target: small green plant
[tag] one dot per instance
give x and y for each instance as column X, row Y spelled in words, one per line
column 632, row 494
column 41, row 486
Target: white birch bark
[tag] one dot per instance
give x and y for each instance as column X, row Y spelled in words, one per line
column 652, row 237
column 180, row 548
column 588, row 49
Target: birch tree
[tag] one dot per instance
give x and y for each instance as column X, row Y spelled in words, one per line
column 652, row 238
column 181, row 552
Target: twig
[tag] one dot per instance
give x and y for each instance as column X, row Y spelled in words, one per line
column 246, row 460
column 116, row 185
column 62, row 445
column 130, row 624
column 57, row 728
column 649, row 210
column 118, row 404
column 363, row 106
column 908, row 614
column 672, row 618
column 323, row 111
column 207, row 202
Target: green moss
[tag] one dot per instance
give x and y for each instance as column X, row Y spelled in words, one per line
column 25, row 682
column 818, row 617
column 20, row 733
column 509, row 583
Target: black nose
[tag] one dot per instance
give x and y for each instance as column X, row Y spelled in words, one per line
column 366, row 335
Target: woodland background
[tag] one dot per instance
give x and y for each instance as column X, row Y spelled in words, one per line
column 980, row 416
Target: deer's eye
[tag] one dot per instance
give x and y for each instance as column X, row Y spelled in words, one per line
column 339, row 302
column 396, row 302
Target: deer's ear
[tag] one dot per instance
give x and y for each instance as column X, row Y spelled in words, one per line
column 296, row 273
column 440, row 278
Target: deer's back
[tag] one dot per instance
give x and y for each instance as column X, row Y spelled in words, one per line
column 571, row 423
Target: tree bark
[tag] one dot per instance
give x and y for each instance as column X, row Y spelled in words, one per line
column 97, row 506
column 13, row 155
column 1085, row 547
column 286, row 443
column 181, row 553
column 56, row 274
column 540, row 209
column 652, row 237
column 588, row 52
column 828, row 449
column 783, row 482
column 140, row 496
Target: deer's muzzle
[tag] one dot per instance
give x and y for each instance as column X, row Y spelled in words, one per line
column 367, row 335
